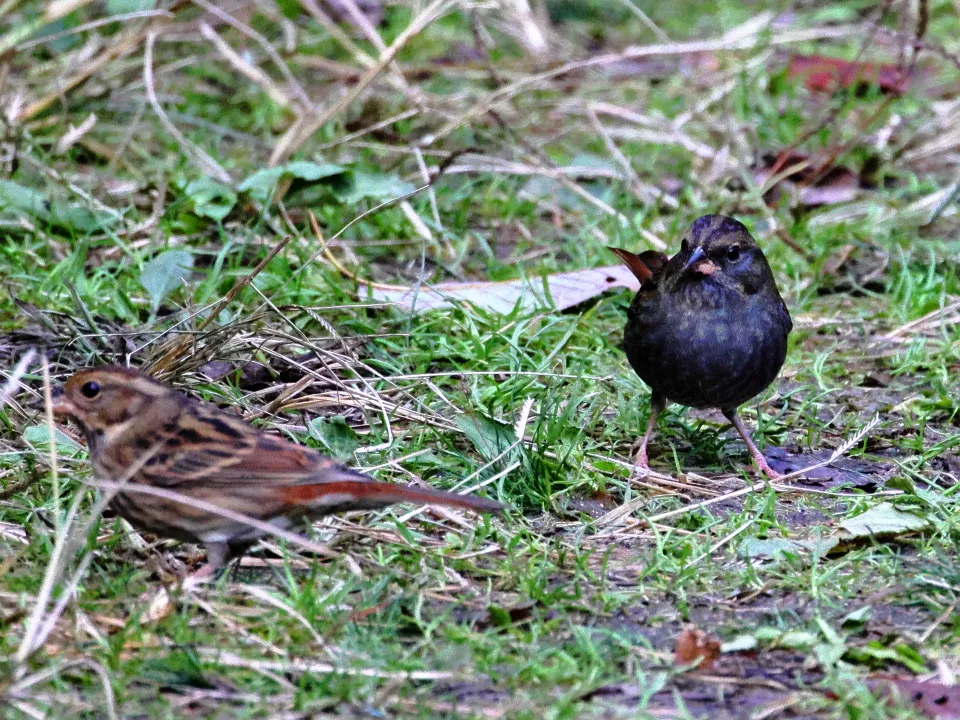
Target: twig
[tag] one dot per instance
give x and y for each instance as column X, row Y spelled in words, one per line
column 301, row 131
column 229, row 659
column 199, row 155
column 13, row 378
column 248, row 70
column 263, row 43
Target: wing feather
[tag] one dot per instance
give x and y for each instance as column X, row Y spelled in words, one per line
column 211, row 448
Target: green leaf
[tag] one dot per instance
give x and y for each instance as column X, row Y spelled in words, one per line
column 289, row 8
column 764, row 548
column 829, row 654
column 165, row 273
column 829, row 634
column 798, row 639
column 77, row 217
column 373, row 186
column 20, row 200
column 875, row 654
column 181, row 667
column 210, row 198
column 883, row 520
column 901, row 482
column 857, row 618
column 14, row 196
column 122, row 7
column 490, row 437
column 589, row 161
column 499, row 616
column 337, row 436
column 777, row 548
column 39, row 437
column 261, row 184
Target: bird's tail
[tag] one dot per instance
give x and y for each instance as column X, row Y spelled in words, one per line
column 643, row 265
column 350, row 490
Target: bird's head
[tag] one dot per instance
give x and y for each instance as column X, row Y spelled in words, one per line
column 718, row 253
column 103, row 397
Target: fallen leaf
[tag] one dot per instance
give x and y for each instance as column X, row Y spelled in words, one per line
column 559, row 291
column 860, row 473
column 882, row 520
column 933, row 699
column 811, row 184
column 854, row 268
column 825, row 74
column 776, row 548
column 14, row 532
column 160, row 607
column 364, row 613
column 696, row 646
column 73, row 134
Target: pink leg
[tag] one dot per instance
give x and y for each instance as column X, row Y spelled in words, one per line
column 755, row 453
column 217, row 556
column 657, row 403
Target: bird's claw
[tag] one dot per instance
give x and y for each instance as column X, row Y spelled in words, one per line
column 765, row 468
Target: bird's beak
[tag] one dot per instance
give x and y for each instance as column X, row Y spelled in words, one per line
column 62, row 405
column 699, row 263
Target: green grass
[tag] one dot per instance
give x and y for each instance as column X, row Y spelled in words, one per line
column 548, row 611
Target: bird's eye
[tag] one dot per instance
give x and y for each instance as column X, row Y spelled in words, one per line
column 733, row 253
column 90, row 389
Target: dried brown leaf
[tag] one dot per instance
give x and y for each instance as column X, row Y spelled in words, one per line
column 696, row 646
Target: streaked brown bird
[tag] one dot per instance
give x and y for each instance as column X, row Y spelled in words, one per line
column 708, row 328
column 144, row 433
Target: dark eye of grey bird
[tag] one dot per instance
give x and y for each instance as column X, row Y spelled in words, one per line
column 90, row 389
column 733, row 253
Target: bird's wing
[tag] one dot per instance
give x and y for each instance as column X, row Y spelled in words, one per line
column 215, row 454
column 209, row 447
column 785, row 315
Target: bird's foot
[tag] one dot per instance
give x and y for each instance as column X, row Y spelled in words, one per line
column 641, row 465
column 205, row 574
column 764, row 466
